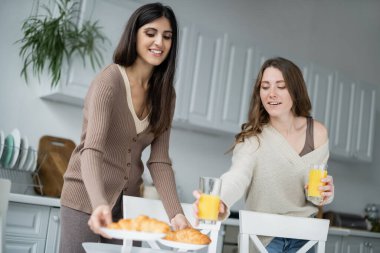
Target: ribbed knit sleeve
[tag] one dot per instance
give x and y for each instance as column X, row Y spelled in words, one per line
column 160, row 167
column 99, row 110
column 236, row 181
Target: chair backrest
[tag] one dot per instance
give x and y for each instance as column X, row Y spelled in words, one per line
column 134, row 206
column 253, row 224
column 5, row 187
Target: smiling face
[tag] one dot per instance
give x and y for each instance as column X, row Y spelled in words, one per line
column 154, row 41
column 274, row 93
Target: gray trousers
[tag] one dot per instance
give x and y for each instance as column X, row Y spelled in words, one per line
column 75, row 230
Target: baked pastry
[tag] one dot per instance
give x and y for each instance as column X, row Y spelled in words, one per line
column 141, row 223
column 188, row 235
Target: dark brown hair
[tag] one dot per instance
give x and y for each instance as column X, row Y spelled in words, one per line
column 257, row 115
column 161, row 90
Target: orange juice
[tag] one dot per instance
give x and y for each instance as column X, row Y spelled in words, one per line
column 315, row 177
column 208, row 208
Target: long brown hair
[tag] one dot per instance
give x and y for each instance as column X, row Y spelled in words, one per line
column 295, row 83
column 161, row 91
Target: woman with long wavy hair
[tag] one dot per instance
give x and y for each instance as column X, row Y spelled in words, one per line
column 274, row 149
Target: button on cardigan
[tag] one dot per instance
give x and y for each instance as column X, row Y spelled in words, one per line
column 108, row 157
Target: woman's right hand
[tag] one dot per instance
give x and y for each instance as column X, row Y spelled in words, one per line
column 197, row 195
column 100, row 217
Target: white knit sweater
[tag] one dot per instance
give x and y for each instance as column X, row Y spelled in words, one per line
column 270, row 175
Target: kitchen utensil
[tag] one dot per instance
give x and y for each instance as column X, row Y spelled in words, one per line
column 53, row 157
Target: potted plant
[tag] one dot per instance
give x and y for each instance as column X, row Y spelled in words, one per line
column 52, row 37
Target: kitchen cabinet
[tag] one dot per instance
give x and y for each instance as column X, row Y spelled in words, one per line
column 31, row 228
column 54, row 231
column 205, row 62
column 334, row 244
column 353, row 120
column 320, row 84
column 352, row 244
column 360, row 244
column 237, row 79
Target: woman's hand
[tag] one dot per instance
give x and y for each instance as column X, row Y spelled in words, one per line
column 180, row 222
column 197, row 195
column 327, row 191
column 100, row 217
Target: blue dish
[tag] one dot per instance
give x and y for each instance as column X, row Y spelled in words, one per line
column 6, row 157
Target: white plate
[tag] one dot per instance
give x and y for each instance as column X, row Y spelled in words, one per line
column 94, row 247
column 131, row 235
column 181, row 245
column 23, row 153
column 2, row 139
column 34, row 164
column 29, row 159
column 16, row 146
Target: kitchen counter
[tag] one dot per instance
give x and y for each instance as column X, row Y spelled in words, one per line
column 332, row 230
column 54, row 202
column 34, row 199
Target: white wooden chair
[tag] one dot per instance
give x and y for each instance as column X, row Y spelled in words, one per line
column 5, row 187
column 134, row 206
column 253, row 224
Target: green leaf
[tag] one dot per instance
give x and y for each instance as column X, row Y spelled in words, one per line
column 49, row 40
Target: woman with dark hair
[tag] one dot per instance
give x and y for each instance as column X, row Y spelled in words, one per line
column 129, row 106
column 273, row 151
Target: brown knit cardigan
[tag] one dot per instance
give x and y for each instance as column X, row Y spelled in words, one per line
column 107, row 160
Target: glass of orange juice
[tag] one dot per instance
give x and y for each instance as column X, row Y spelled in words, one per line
column 208, row 207
column 316, row 173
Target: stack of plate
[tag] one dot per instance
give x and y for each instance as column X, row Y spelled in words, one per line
column 15, row 152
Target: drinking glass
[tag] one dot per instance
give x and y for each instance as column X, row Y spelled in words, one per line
column 208, row 208
column 316, row 173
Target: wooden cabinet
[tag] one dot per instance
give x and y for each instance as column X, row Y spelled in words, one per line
column 353, row 120
column 32, row 229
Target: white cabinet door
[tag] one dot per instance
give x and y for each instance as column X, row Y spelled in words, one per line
column 352, row 244
column 353, row 120
column 320, row 82
column 372, row 245
column 54, row 232
column 205, row 69
column 364, row 122
column 26, row 228
column 235, row 86
column 333, row 244
column 181, row 84
column 342, row 124
column 112, row 16
column 14, row 244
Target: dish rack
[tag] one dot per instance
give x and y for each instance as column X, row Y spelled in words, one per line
column 24, row 178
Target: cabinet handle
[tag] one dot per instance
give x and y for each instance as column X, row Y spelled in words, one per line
column 55, row 218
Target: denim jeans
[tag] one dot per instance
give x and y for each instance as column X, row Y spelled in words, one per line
column 286, row 245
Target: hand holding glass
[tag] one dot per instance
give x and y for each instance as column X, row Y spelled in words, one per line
column 316, row 173
column 208, row 207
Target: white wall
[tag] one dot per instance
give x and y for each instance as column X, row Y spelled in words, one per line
column 343, row 35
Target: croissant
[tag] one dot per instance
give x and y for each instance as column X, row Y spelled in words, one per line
column 188, row 235
column 141, row 223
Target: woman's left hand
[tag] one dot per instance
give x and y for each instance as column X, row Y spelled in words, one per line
column 327, row 191
column 180, row 222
